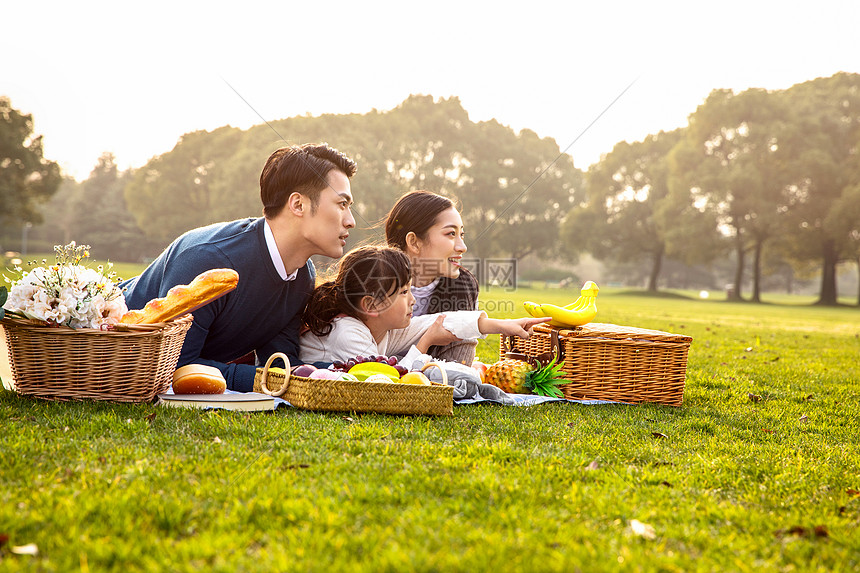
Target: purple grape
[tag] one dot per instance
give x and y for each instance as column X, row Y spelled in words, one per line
column 382, row 359
column 400, row 369
column 359, row 359
column 350, row 363
column 337, row 365
column 392, row 361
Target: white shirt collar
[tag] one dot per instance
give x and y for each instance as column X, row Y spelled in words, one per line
column 276, row 255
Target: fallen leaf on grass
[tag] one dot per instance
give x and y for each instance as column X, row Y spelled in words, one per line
column 298, row 467
column 29, row 549
column 593, row 465
column 749, row 349
column 800, row 531
column 666, row 483
column 151, row 417
column 642, row 529
column 347, row 419
column 852, row 492
column 4, row 538
column 803, row 419
column 571, row 424
column 809, row 398
column 754, row 397
column 767, row 431
column 659, row 435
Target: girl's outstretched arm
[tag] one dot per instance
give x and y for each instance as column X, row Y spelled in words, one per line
column 511, row 327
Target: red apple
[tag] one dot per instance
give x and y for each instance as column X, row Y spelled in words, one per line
column 304, row 370
column 480, row 367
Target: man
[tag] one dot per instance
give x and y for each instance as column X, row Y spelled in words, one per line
column 306, row 211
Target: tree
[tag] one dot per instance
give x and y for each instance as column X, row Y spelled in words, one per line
column 101, row 218
column 825, row 144
column 188, row 187
column 731, row 167
column 625, row 191
column 26, row 177
column 509, row 184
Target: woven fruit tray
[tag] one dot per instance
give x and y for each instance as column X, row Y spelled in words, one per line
column 354, row 396
column 611, row 362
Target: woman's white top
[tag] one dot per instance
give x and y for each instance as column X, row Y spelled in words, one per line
column 422, row 296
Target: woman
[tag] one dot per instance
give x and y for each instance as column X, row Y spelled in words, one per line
column 429, row 229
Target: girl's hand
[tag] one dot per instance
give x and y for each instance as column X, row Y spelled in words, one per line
column 521, row 327
column 435, row 335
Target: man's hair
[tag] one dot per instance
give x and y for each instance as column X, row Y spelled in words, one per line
column 299, row 169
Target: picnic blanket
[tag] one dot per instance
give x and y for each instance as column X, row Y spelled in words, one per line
column 515, row 400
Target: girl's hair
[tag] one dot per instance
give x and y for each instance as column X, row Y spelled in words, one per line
column 414, row 212
column 378, row 272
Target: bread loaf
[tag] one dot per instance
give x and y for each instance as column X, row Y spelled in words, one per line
column 198, row 379
column 182, row 299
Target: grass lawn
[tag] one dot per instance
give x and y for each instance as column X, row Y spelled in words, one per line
column 726, row 483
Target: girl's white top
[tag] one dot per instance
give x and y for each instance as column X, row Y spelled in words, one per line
column 349, row 337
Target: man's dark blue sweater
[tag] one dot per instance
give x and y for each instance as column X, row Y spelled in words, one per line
column 263, row 314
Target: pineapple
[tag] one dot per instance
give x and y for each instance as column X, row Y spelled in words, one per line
column 519, row 377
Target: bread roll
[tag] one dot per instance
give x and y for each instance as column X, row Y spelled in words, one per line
column 198, row 379
column 182, row 299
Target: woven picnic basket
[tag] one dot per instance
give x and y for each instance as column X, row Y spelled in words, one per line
column 128, row 363
column 610, row 362
column 353, row 396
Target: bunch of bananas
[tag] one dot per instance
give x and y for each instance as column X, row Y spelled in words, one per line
column 580, row 312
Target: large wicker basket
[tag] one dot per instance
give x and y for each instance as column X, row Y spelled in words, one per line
column 351, row 396
column 132, row 363
column 610, row 362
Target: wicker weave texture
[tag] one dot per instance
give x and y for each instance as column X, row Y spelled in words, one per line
column 618, row 363
column 350, row 396
column 133, row 364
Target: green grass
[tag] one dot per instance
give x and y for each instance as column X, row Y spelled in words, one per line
column 105, row 487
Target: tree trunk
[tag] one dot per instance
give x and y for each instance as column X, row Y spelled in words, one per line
column 757, row 249
column 739, row 267
column 656, row 265
column 858, row 280
column 828, row 275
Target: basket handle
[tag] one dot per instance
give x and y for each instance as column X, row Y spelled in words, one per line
column 442, row 370
column 282, row 390
column 556, row 351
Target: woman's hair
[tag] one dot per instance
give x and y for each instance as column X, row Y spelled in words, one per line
column 302, row 169
column 377, row 272
column 414, row 212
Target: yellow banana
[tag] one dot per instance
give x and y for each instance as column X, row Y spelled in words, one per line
column 533, row 309
column 582, row 311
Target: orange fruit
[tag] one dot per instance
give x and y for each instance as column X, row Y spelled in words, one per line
column 415, row 378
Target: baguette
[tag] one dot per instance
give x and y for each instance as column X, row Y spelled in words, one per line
column 182, row 299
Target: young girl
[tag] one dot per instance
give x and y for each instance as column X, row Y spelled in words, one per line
column 367, row 310
column 429, row 229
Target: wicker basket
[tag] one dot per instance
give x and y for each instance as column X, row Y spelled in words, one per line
column 609, row 362
column 351, row 396
column 132, row 363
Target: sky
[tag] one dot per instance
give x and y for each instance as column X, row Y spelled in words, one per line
column 132, row 78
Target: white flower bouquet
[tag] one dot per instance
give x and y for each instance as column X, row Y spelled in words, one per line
column 67, row 293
